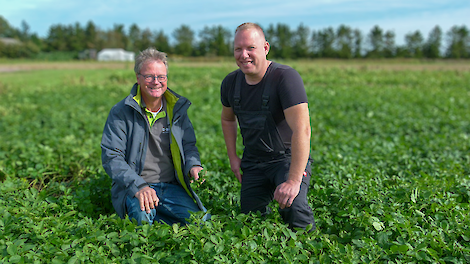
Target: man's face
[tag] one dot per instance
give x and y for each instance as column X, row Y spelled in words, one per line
column 250, row 50
column 152, row 89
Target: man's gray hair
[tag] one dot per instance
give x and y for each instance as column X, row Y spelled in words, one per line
column 150, row 55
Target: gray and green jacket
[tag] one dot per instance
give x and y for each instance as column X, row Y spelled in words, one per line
column 124, row 146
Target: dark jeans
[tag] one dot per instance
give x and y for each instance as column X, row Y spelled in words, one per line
column 175, row 206
column 259, row 182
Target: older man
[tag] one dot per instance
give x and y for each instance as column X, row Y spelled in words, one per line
column 149, row 148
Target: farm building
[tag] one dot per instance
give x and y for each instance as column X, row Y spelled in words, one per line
column 115, row 55
column 88, row 54
column 10, row 41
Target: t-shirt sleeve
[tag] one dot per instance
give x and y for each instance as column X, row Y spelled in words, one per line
column 224, row 93
column 291, row 89
column 226, row 88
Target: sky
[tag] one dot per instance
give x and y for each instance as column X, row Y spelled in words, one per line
column 400, row 16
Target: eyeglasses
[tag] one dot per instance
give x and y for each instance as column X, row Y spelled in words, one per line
column 151, row 78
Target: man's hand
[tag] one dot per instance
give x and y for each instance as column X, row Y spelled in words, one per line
column 147, row 199
column 286, row 192
column 235, row 166
column 194, row 172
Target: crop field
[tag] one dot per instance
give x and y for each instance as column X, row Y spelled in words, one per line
column 390, row 184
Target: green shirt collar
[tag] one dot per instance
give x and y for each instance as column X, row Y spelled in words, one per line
column 151, row 119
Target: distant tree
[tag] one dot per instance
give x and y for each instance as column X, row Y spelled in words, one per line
column 34, row 39
column 56, row 38
column 116, row 38
column 161, row 42
column 284, row 41
column 357, row 43
column 25, row 48
column 389, row 44
column 92, row 40
column 459, row 42
column 314, row 45
column 24, row 34
column 323, row 43
column 224, row 41
column 202, row 48
column 76, row 40
column 301, row 42
column 184, row 37
column 4, row 27
column 280, row 40
column 7, row 31
column 145, row 41
column 432, row 46
column 270, row 35
column 344, row 42
column 134, row 37
column 414, row 44
column 215, row 41
column 376, row 43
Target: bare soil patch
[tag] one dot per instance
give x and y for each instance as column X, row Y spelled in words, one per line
column 388, row 64
column 392, row 64
column 28, row 66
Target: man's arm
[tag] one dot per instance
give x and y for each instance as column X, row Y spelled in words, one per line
column 113, row 155
column 298, row 119
column 229, row 128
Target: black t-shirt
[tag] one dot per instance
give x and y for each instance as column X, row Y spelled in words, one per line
column 288, row 90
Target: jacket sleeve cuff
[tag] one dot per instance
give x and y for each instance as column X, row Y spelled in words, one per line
column 133, row 189
column 189, row 166
column 143, row 185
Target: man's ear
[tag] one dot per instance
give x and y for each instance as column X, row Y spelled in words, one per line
column 266, row 47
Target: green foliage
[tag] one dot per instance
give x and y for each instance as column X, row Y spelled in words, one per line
column 27, row 50
column 391, row 177
column 343, row 42
column 57, row 56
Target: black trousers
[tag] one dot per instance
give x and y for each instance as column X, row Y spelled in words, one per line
column 259, row 181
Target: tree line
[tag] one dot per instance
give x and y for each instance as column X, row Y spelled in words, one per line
column 343, row 42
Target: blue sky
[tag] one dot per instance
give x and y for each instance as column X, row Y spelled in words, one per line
column 400, row 16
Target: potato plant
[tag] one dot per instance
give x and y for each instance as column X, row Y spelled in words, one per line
column 391, row 174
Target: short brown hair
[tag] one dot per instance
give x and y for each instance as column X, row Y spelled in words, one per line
column 249, row 25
